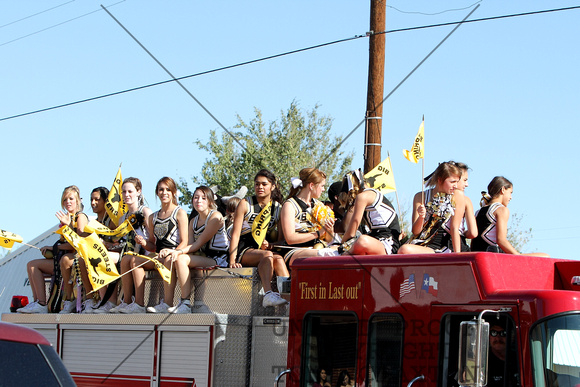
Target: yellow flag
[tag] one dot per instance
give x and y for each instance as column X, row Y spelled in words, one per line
column 7, row 239
column 102, row 271
column 260, row 224
column 163, row 271
column 418, row 149
column 114, row 203
column 381, row 177
column 123, row 229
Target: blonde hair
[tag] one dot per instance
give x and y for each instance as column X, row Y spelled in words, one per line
column 76, row 193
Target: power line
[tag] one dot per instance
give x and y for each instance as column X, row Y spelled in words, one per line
column 436, row 13
column 183, row 77
column 53, row 26
column 481, row 19
column 36, row 14
column 278, row 56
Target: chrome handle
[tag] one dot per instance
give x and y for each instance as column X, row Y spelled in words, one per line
column 280, row 375
column 420, row 377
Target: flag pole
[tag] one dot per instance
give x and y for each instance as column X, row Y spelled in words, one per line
column 423, row 181
column 396, row 193
column 423, row 164
column 34, row 247
column 120, row 275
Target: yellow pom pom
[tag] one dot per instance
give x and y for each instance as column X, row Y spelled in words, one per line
column 321, row 213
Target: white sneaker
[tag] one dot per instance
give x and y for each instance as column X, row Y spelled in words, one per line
column 104, row 308
column 200, row 307
column 68, row 307
column 89, row 306
column 133, row 308
column 162, row 307
column 26, row 308
column 272, row 299
column 119, row 308
column 182, row 308
column 33, row 308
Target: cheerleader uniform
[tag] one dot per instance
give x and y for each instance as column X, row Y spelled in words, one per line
column 382, row 222
column 487, row 226
column 303, row 224
column 218, row 246
column 166, row 231
column 247, row 241
column 436, row 232
column 138, row 229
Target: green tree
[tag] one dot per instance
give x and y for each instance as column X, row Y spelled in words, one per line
column 296, row 140
column 517, row 235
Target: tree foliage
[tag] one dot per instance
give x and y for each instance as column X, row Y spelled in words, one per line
column 517, row 235
column 298, row 139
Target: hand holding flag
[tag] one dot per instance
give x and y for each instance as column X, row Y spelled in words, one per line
column 101, row 269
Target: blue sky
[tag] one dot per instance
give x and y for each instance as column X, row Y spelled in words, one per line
column 501, row 95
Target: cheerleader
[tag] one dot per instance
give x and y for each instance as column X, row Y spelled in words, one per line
column 244, row 250
column 437, row 214
column 301, row 232
column 207, row 247
column 77, row 220
column 375, row 211
column 492, row 219
column 167, row 233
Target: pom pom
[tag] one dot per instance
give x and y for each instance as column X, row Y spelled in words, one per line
column 322, row 213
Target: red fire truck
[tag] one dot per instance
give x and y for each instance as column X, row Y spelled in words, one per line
column 393, row 321
column 373, row 320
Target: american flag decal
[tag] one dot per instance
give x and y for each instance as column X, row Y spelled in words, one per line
column 407, row 285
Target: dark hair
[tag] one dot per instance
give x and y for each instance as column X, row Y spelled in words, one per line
column 208, row 194
column 170, row 184
column 494, row 189
column 443, row 171
column 276, row 195
column 318, row 371
column 307, row 175
column 341, row 376
column 104, row 192
column 334, row 191
column 231, row 206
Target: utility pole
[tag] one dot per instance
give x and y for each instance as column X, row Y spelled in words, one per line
column 374, row 114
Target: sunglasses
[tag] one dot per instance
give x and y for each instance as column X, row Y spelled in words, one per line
column 498, row 333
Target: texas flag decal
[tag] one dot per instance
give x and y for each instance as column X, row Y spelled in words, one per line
column 429, row 285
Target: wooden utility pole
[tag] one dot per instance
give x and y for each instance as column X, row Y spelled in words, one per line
column 374, row 114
